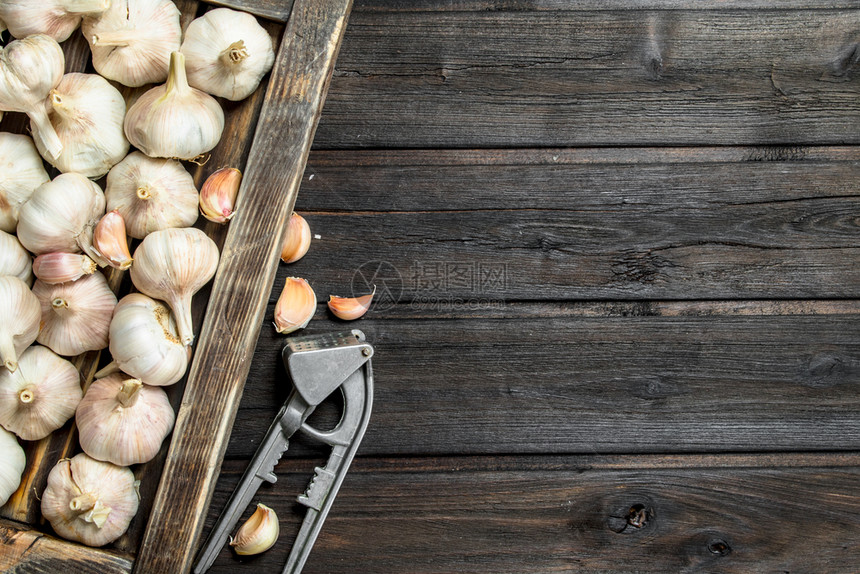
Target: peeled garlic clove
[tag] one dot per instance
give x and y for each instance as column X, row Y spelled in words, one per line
column 131, row 42
column 29, row 69
column 174, row 120
column 56, row 18
column 40, row 396
column 144, row 342
column 61, row 215
column 110, row 240
column 87, row 114
column 151, row 194
column 12, row 463
column 298, row 239
column 14, row 259
column 218, row 194
column 228, row 53
column 350, row 308
column 295, row 307
column 90, row 501
column 172, row 265
column 76, row 315
column 123, row 421
column 53, row 268
column 21, row 313
column 258, row 533
column 22, row 172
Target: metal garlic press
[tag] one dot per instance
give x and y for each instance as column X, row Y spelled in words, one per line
column 318, row 365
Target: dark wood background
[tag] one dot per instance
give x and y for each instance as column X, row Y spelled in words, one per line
column 617, row 251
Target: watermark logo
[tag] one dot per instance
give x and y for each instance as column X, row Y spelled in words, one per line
column 382, row 276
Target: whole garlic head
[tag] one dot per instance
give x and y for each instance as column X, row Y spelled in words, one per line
column 228, row 53
column 172, row 265
column 87, row 114
column 12, row 463
column 123, row 421
column 151, row 194
column 75, row 315
column 132, row 41
column 61, row 215
column 174, row 120
column 40, row 396
column 14, row 259
column 144, row 342
column 90, row 501
column 56, row 18
column 21, row 172
column 21, row 314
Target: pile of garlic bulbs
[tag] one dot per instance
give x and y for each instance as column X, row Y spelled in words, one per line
column 58, row 233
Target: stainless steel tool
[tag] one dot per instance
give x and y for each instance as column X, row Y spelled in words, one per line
column 318, row 365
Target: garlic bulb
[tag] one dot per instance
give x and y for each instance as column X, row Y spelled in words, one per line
column 14, row 259
column 228, row 53
column 110, row 241
column 172, row 265
column 298, row 239
column 21, row 314
column 21, row 172
column 218, row 195
column 144, row 342
column 12, row 463
column 53, row 268
column 56, row 18
column 132, row 41
column 76, row 315
column 123, row 421
column 295, row 307
column 29, row 70
column 40, row 396
column 350, row 308
column 258, row 533
column 87, row 114
column 90, row 501
column 61, row 215
column 174, row 120
column 151, row 194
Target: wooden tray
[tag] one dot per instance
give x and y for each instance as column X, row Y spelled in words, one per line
column 268, row 136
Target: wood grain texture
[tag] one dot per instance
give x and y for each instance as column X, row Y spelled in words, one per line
column 287, row 122
column 362, row 6
column 575, row 514
column 277, row 10
column 527, row 78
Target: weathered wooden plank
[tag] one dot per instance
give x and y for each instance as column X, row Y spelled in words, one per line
column 579, row 78
column 278, row 10
column 26, row 551
column 574, row 514
column 641, row 378
column 576, row 5
column 287, row 122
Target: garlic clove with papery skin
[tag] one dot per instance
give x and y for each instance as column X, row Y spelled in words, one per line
column 172, row 265
column 29, row 69
column 14, row 259
column 123, row 421
column 21, row 172
column 175, row 120
column 87, row 114
column 295, row 307
column 53, row 268
column 40, row 396
column 151, row 194
column 131, row 42
column 12, row 463
column 298, row 239
column 228, row 53
column 218, row 195
column 90, row 501
column 110, row 241
column 258, row 533
column 76, row 315
column 56, row 18
column 350, row 308
column 21, row 314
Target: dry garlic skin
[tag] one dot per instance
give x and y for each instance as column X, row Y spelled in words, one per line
column 151, row 194
column 75, row 315
column 21, row 172
column 40, row 396
column 90, row 501
column 227, row 53
column 131, row 42
column 14, row 259
column 12, row 463
column 123, row 421
column 21, row 315
column 87, row 114
column 56, row 18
